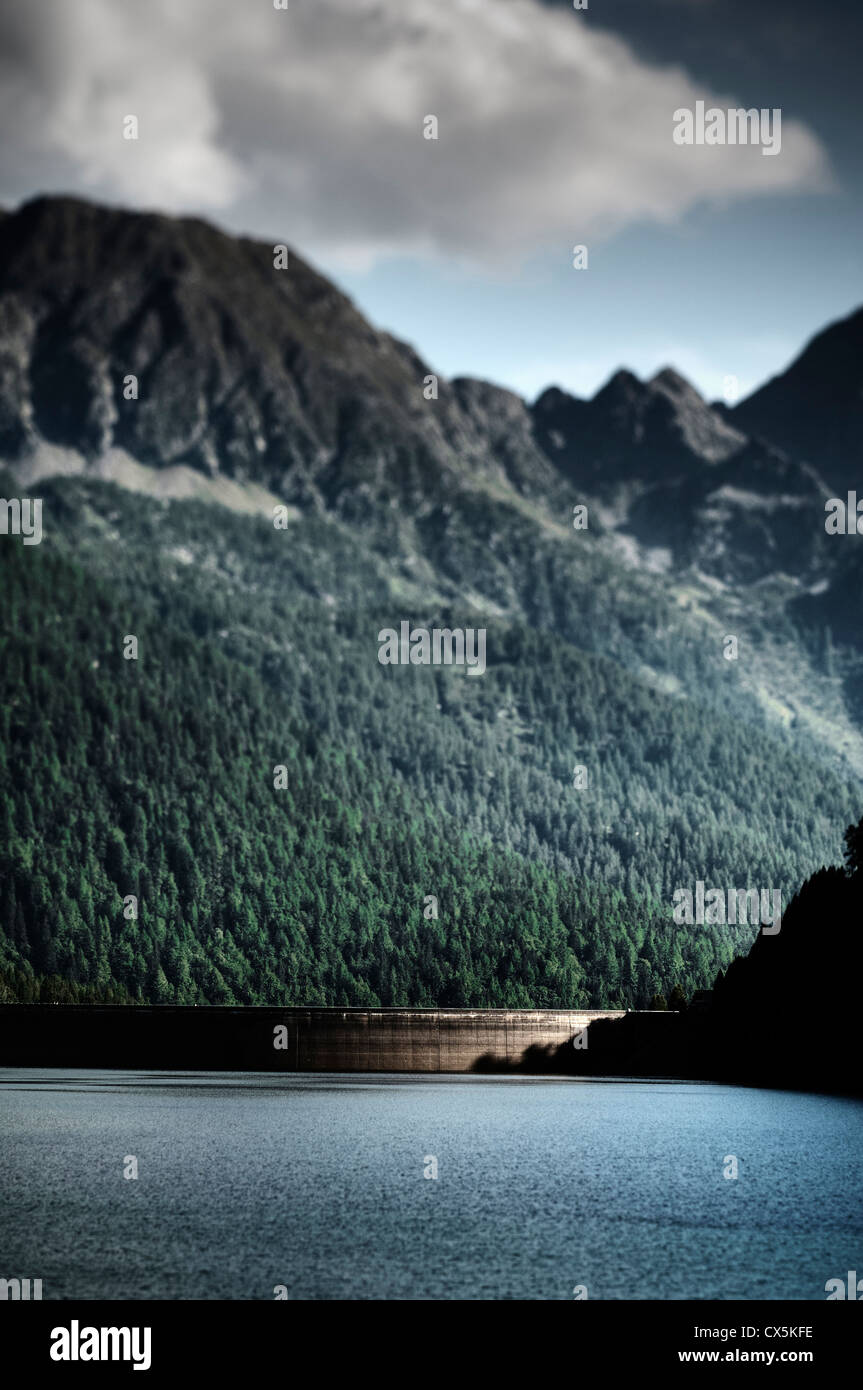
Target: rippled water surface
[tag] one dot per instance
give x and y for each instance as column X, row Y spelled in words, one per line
column 317, row 1183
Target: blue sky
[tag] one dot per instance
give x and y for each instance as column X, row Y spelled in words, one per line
column 555, row 129
column 734, row 292
column 727, row 290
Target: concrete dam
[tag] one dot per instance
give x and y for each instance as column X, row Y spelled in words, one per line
column 285, row 1039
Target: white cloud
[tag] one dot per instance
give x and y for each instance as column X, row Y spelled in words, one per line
column 307, row 124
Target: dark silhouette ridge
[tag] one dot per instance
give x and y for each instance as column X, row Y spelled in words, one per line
column 785, row 1015
column 814, row 409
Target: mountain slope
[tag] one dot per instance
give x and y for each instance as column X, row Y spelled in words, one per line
column 245, row 373
column 258, row 650
column 257, row 373
column 606, row 649
column 814, row 409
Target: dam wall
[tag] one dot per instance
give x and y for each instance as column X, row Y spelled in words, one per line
column 290, row 1039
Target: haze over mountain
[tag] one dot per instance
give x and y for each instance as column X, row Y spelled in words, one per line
column 607, row 647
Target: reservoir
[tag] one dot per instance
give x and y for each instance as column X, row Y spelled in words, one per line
column 323, row 1185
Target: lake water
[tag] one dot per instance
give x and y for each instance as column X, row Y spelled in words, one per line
column 317, row 1183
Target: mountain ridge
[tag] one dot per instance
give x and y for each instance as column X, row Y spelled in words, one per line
column 256, row 385
column 814, row 408
column 110, row 288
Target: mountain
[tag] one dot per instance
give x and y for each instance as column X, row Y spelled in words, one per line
column 647, row 431
column 243, row 370
column 431, row 842
column 249, row 375
column 814, row 409
column 673, row 476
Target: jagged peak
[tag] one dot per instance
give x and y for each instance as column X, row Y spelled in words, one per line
column 622, row 383
column 672, row 382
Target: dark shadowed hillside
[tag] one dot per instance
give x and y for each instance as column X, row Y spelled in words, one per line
column 814, row 410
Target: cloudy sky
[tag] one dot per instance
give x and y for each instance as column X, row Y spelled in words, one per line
column 555, row 129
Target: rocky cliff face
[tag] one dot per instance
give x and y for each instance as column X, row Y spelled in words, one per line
column 674, row 475
column 271, row 376
column 262, row 374
column 646, row 431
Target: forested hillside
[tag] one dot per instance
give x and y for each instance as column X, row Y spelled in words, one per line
column 258, row 649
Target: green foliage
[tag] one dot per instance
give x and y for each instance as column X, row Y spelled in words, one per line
column 258, row 648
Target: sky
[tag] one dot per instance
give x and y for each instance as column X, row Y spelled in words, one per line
column 555, row 129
